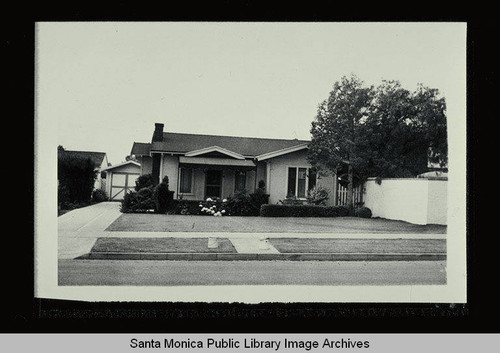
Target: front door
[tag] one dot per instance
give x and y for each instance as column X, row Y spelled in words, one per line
column 213, row 183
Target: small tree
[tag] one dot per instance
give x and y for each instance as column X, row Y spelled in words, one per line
column 163, row 197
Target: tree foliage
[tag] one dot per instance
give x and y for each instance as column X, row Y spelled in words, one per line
column 384, row 131
column 76, row 176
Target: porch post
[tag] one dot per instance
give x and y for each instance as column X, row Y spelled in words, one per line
column 268, row 177
column 161, row 168
column 255, row 179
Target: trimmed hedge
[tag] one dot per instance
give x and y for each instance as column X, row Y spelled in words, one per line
column 303, row 211
column 363, row 212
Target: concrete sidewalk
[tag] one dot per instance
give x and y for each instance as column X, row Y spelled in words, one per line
column 79, row 229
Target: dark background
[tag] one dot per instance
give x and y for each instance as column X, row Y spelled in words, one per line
column 23, row 313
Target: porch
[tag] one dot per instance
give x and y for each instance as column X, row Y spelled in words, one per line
column 199, row 178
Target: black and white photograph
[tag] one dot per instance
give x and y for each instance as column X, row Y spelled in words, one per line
column 250, row 162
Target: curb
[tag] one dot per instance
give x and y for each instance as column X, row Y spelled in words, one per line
column 265, row 257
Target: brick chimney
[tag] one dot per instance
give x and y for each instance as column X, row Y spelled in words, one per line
column 158, row 134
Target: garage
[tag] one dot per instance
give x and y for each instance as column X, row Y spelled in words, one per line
column 120, row 179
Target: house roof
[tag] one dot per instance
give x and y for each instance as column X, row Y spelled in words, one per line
column 140, row 148
column 245, row 146
column 96, row 157
column 121, row 165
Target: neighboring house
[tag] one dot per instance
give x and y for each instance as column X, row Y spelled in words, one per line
column 120, row 178
column 99, row 159
column 202, row 166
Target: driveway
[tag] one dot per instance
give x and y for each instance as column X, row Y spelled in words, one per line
column 79, row 229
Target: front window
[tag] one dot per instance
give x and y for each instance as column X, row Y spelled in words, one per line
column 186, row 178
column 300, row 180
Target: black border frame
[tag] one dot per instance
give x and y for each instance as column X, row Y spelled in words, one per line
column 27, row 314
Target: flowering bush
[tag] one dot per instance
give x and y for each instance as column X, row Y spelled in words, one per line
column 213, row 207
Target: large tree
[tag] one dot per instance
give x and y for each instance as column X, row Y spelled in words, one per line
column 405, row 131
column 338, row 135
column 386, row 131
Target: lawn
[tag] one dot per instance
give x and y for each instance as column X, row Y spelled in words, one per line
column 377, row 246
column 161, row 245
column 136, row 222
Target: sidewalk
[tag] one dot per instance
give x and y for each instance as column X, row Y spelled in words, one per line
column 80, row 229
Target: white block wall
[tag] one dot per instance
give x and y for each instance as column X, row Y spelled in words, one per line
column 414, row 200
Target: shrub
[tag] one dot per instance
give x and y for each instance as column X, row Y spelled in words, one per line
column 77, row 175
column 99, row 195
column 185, row 207
column 144, row 181
column 163, row 197
column 128, row 203
column 317, row 196
column 140, row 201
column 145, row 199
column 303, row 211
column 245, row 204
column 63, row 197
column 240, row 204
column 343, row 211
column 259, row 198
column 364, row 212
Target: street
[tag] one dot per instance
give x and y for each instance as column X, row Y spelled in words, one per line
column 180, row 273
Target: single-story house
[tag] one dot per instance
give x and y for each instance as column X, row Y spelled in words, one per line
column 98, row 159
column 120, row 179
column 202, row 166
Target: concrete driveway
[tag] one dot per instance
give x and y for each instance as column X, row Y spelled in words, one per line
column 79, row 229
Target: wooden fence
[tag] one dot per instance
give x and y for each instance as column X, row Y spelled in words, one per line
column 342, row 195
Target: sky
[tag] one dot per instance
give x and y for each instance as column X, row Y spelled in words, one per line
column 100, row 86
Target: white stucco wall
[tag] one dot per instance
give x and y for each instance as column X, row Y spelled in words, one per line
column 279, row 176
column 146, row 165
column 437, row 202
column 170, row 168
column 414, row 200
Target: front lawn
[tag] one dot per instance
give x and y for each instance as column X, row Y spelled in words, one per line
column 377, row 246
column 161, row 245
column 137, row 222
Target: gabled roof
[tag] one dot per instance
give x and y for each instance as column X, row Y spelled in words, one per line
column 96, row 157
column 245, row 146
column 212, row 149
column 281, row 152
column 121, row 164
column 140, row 148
